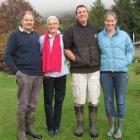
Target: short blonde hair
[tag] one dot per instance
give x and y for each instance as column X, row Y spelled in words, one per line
column 112, row 14
column 52, row 17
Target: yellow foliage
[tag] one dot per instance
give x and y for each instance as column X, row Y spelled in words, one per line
column 3, row 38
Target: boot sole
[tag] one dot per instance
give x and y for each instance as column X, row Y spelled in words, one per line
column 78, row 135
column 36, row 137
column 94, row 136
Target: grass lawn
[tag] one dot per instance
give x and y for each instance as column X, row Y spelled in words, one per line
column 8, row 103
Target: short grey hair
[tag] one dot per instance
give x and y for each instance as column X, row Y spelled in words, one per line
column 52, row 17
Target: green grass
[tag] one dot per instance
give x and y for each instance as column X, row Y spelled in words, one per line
column 8, row 103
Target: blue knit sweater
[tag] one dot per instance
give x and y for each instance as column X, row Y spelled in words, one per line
column 23, row 53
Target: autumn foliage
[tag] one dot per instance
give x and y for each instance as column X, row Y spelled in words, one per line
column 10, row 13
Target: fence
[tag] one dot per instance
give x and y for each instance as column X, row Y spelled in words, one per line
column 137, row 48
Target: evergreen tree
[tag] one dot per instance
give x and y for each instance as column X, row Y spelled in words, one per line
column 125, row 11
column 97, row 13
column 136, row 18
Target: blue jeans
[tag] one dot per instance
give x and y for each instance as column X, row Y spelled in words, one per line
column 114, row 84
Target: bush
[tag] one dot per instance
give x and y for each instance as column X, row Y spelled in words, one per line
column 137, row 69
column 136, row 59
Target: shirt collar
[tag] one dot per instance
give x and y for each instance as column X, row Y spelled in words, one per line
column 22, row 30
column 58, row 32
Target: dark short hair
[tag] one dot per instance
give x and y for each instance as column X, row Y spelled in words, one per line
column 26, row 12
column 80, row 6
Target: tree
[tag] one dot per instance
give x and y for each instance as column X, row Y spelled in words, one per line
column 125, row 11
column 136, row 18
column 97, row 13
column 10, row 12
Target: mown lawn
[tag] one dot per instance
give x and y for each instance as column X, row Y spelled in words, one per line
column 8, row 112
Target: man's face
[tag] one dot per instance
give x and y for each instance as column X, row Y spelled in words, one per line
column 82, row 15
column 27, row 22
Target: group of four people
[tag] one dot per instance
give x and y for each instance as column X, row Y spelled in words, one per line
column 94, row 58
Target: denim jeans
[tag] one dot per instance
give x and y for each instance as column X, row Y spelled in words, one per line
column 114, row 85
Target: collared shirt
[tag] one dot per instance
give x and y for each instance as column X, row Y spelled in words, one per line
column 22, row 30
column 64, row 69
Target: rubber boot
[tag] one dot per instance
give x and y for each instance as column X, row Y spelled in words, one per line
column 21, row 127
column 120, row 126
column 92, row 120
column 29, row 130
column 112, row 122
column 79, row 118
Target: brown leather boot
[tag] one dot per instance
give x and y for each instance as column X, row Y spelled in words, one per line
column 29, row 130
column 79, row 118
column 92, row 120
column 21, row 127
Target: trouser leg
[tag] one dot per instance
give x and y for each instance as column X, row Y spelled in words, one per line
column 121, row 81
column 24, row 88
column 112, row 123
column 30, row 115
column 48, row 87
column 107, row 83
column 60, row 87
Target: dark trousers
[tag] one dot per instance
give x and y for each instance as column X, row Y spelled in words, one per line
column 54, row 93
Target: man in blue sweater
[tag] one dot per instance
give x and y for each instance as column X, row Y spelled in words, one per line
column 23, row 57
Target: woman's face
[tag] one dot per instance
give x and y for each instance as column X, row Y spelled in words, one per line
column 110, row 22
column 53, row 26
column 82, row 15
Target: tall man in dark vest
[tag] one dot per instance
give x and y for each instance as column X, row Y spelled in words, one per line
column 80, row 42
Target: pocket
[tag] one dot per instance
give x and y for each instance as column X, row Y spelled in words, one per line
column 18, row 74
column 82, row 56
column 81, row 60
column 20, row 78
